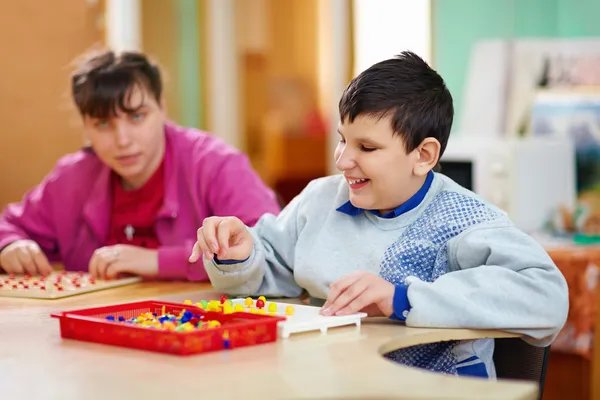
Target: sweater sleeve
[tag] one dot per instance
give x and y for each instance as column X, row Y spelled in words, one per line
column 269, row 269
column 500, row 279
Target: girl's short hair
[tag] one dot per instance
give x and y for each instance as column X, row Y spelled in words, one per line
column 102, row 84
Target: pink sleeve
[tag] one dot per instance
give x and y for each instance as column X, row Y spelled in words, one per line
column 238, row 191
column 32, row 218
column 173, row 263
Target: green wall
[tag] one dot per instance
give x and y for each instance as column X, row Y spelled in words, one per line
column 459, row 24
column 189, row 64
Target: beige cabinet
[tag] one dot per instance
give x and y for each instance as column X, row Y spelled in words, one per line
column 39, row 42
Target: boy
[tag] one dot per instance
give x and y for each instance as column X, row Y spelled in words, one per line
column 392, row 237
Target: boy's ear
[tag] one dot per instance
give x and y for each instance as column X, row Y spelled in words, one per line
column 428, row 154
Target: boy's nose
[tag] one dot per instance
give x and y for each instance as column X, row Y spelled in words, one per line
column 344, row 161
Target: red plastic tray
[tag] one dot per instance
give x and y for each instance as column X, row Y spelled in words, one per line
column 91, row 325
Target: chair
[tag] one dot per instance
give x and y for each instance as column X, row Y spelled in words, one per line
column 516, row 359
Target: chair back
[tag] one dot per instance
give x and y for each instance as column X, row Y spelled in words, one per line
column 516, row 359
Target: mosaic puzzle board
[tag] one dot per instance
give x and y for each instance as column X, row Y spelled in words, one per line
column 57, row 285
column 305, row 318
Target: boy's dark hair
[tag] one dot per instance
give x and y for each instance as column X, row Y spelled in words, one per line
column 102, row 84
column 406, row 88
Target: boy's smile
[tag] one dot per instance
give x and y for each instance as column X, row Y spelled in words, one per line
column 356, row 183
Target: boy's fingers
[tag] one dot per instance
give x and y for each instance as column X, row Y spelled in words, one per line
column 223, row 234
column 338, row 287
column 349, row 295
column 209, row 233
column 196, row 253
column 200, row 247
column 360, row 302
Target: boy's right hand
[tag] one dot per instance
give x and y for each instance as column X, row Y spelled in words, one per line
column 226, row 237
column 24, row 257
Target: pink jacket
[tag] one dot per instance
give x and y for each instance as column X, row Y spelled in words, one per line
column 68, row 214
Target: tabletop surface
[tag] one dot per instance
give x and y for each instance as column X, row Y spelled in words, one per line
column 35, row 363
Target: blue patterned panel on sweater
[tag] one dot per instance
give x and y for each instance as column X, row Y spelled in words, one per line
column 421, row 251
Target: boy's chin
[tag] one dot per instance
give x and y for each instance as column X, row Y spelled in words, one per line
column 359, row 202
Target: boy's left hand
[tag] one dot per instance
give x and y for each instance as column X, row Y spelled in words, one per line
column 360, row 291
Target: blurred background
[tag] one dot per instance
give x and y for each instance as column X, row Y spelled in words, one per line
column 266, row 76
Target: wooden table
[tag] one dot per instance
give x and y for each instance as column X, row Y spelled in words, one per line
column 35, row 363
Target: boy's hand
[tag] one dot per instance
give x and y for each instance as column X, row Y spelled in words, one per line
column 24, row 257
column 227, row 237
column 360, row 291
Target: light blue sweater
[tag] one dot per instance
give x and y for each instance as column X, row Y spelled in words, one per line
column 456, row 261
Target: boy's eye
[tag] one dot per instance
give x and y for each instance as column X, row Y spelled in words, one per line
column 137, row 116
column 367, row 149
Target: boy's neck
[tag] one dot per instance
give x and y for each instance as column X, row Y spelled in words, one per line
column 414, row 187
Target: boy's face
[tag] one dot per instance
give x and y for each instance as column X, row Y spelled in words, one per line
column 380, row 174
column 131, row 144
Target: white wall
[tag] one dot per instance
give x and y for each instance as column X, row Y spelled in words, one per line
column 334, row 68
column 223, row 76
column 384, row 28
column 122, row 25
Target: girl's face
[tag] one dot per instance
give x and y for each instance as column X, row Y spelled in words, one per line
column 131, row 144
